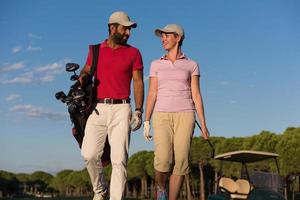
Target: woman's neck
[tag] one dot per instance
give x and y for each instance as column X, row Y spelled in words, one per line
column 174, row 54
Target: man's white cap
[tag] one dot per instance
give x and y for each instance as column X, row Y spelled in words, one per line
column 170, row 28
column 122, row 18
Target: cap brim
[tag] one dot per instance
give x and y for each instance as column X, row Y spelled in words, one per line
column 159, row 31
column 129, row 23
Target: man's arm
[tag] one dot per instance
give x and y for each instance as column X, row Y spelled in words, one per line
column 138, row 86
column 86, row 70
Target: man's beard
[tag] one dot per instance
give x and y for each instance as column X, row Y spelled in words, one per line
column 119, row 39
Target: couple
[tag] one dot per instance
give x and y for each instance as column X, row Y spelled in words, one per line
column 174, row 95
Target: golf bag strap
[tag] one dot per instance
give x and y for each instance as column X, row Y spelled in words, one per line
column 96, row 49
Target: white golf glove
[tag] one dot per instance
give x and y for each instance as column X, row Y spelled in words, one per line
column 147, row 135
column 136, row 120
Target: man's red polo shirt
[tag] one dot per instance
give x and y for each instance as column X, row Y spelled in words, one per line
column 114, row 71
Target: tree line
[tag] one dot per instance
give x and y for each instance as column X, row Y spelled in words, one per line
column 141, row 172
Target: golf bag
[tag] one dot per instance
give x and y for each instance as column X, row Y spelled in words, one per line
column 81, row 101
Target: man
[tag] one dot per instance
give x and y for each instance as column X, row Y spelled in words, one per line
column 118, row 64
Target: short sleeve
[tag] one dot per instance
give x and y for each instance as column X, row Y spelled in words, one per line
column 137, row 62
column 153, row 72
column 195, row 70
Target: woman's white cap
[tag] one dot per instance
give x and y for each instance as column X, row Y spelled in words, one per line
column 170, row 28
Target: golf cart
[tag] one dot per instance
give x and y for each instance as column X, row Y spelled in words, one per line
column 250, row 186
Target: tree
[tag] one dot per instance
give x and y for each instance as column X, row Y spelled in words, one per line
column 80, row 182
column 40, row 180
column 9, row 184
column 201, row 153
column 60, row 182
column 137, row 169
column 25, row 181
column 265, row 141
column 288, row 148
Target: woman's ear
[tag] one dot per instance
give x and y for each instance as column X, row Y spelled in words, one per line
column 178, row 38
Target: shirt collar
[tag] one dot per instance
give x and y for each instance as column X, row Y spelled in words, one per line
column 183, row 56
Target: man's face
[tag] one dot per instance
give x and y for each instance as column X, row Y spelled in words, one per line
column 121, row 34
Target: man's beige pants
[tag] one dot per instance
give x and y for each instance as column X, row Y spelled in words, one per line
column 112, row 121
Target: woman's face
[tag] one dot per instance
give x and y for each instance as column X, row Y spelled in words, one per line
column 170, row 40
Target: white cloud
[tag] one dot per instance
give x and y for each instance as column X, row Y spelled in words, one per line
column 12, row 67
column 32, row 48
column 46, row 78
column 16, row 49
column 224, row 83
column 34, row 36
column 53, row 68
column 13, row 97
column 30, row 77
column 40, row 74
column 38, row 112
column 23, row 78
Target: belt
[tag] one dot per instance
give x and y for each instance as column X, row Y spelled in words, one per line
column 113, row 101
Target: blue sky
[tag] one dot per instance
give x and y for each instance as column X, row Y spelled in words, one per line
column 248, row 51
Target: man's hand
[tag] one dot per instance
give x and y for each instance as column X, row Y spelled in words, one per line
column 83, row 78
column 147, row 135
column 84, row 73
column 136, row 120
column 80, row 79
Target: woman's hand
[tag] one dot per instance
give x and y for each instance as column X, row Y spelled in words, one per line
column 205, row 132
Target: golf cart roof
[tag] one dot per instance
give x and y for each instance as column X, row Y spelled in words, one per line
column 245, row 156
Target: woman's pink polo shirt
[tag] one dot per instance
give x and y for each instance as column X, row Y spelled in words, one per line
column 174, row 84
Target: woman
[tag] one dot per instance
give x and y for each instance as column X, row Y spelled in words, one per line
column 174, row 95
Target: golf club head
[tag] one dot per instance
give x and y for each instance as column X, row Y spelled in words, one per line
column 60, row 96
column 77, row 95
column 74, row 77
column 72, row 67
